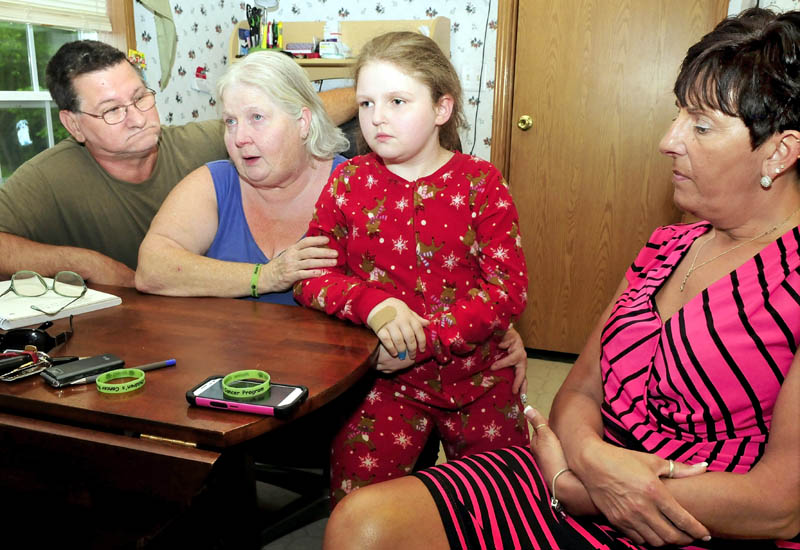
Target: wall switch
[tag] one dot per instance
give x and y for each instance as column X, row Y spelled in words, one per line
column 470, row 79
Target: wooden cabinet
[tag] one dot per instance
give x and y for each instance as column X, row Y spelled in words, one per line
column 595, row 77
column 354, row 35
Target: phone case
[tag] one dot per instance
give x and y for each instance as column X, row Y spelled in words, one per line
column 63, row 374
column 209, row 394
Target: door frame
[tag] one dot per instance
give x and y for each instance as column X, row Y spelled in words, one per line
column 507, row 15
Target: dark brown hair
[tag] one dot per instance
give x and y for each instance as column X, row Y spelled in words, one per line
column 74, row 59
column 421, row 58
column 747, row 67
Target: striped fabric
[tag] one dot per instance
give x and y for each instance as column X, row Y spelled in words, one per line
column 700, row 386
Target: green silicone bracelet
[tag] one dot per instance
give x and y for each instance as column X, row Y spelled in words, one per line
column 254, row 281
column 247, row 393
column 124, row 387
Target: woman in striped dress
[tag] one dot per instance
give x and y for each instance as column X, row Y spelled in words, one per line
column 679, row 424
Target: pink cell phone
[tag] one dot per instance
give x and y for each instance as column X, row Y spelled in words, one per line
column 280, row 400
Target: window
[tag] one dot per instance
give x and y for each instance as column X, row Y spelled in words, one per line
column 28, row 118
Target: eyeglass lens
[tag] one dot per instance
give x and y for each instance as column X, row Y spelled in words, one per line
column 68, row 283
column 28, row 283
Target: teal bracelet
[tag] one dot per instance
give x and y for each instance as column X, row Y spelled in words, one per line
column 124, row 387
column 254, row 281
column 245, row 393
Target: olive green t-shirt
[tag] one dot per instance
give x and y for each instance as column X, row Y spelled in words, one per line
column 62, row 196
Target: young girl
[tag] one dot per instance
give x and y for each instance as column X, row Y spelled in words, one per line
column 430, row 258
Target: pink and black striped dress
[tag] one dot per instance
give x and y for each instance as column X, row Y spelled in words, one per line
column 699, row 387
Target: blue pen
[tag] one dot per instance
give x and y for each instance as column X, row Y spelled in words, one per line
column 149, row 366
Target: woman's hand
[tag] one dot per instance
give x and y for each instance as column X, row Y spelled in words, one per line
column 305, row 259
column 625, row 487
column 545, row 445
column 516, row 357
column 398, row 327
column 387, row 363
column 549, row 456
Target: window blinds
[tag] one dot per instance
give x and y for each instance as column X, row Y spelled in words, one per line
column 89, row 15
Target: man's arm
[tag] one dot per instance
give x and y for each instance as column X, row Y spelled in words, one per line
column 340, row 104
column 17, row 253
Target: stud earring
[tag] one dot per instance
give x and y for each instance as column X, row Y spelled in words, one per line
column 766, row 182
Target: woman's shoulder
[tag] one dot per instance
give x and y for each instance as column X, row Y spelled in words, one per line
column 678, row 232
column 224, row 177
column 222, row 169
column 663, row 244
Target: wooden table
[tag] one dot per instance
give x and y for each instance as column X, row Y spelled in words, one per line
column 119, row 444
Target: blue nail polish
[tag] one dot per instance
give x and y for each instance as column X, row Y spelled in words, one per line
column 401, row 355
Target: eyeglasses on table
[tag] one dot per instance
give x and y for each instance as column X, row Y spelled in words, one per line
column 30, row 284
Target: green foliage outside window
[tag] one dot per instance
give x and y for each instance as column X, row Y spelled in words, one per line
column 23, row 126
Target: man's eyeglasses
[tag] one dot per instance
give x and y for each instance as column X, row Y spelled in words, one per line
column 18, row 338
column 30, row 284
column 117, row 114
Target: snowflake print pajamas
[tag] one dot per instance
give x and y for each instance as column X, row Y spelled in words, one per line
column 447, row 245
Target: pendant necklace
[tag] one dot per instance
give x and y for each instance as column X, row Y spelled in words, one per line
column 693, row 268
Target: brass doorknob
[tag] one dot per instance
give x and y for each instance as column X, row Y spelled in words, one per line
column 525, row 122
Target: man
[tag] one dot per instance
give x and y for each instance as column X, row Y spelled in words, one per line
column 86, row 204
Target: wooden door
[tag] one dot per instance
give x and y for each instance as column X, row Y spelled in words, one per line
column 596, row 78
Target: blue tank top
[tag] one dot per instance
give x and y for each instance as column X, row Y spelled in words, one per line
column 233, row 241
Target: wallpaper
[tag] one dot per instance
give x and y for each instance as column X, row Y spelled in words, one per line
column 204, row 28
column 735, row 6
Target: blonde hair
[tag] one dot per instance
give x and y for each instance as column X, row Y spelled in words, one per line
column 422, row 59
column 285, row 83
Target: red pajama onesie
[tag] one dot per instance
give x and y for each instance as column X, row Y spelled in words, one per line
column 448, row 246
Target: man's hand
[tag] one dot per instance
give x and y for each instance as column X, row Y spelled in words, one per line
column 102, row 270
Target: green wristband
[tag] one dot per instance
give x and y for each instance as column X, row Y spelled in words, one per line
column 254, row 281
column 104, row 387
column 247, row 393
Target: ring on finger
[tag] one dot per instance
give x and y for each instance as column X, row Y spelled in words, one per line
column 671, row 469
column 542, row 425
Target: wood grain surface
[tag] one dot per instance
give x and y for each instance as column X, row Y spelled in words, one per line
column 207, row 336
column 596, row 76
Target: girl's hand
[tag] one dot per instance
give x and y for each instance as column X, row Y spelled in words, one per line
column 625, row 487
column 517, row 357
column 398, row 327
column 305, row 259
column 387, row 363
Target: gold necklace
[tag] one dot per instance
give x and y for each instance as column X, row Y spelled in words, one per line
column 692, row 267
